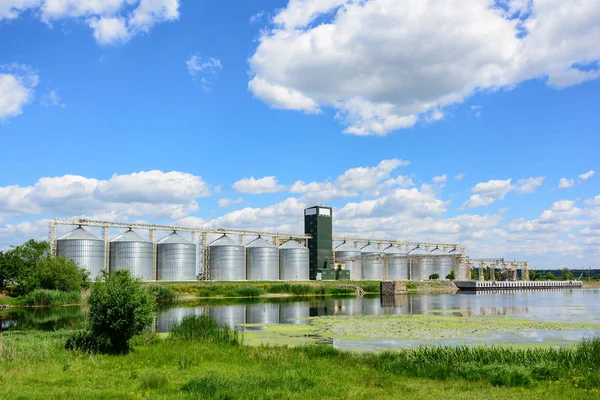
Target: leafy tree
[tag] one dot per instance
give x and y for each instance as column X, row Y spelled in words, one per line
column 119, row 309
column 566, row 274
column 18, row 265
column 30, row 266
column 451, row 275
column 474, row 274
column 60, row 273
column 549, row 276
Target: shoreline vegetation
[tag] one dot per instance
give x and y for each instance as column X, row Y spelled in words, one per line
column 200, row 359
column 168, row 292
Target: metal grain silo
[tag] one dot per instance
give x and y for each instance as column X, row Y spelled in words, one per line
column 176, row 259
column 348, row 251
column 397, row 264
column 262, row 261
column 131, row 252
column 371, row 269
column 435, row 262
column 421, row 268
column 226, row 260
column 84, row 249
column 443, row 263
column 293, row 261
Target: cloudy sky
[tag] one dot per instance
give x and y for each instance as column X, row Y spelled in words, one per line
column 442, row 120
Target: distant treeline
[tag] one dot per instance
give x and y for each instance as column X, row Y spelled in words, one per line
column 577, row 273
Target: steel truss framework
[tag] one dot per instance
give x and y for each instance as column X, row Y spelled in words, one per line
column 199, row 236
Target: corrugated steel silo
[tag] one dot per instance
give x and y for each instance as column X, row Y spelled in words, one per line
column 84, row 249
column 262, row 261
column 176, row 259
column 131, row 252
column 397, row 267
column 371, row 269
column 443, row 264
column 435, row 262
column 293, row 261
column 347, row 250
column 417, row 262
column 226, row 260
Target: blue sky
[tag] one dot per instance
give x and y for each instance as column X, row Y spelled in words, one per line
column 427, row 121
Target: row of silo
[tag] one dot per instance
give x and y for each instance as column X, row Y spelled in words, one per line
column 176, row 257
column 264, row 261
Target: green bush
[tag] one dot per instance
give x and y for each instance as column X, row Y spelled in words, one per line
column 411, row 285
column 279, row 288
column 44, row 297
column 119, row 309
column 86, row 342
column 206, row 329
column 248, row 291
column 434, row 277
column 371, row 287
column 451, row 275
column 300, row 290
column 161, row 293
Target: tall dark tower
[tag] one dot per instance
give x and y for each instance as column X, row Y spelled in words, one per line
column 318, row 224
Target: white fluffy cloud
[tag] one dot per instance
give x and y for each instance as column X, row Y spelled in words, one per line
column 367, row 180
column 565, row 183
column 251, row 185
column 587, row 175
column 152, row 193
column 488, row 192
column 17, row 85
column 385, row 65
column 112, row 21
column 223, row 203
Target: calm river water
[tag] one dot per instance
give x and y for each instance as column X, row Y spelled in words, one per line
column 569, row 306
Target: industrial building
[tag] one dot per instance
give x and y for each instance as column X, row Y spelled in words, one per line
column 237, row 255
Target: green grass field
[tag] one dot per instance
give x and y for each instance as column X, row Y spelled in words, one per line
column 34, row 365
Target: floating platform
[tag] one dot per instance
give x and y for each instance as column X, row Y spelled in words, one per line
column 479, row 286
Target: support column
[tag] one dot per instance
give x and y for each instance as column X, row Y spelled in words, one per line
column 205, row 257
column 493, row 272
column 525, row 272
column 243, row 243
column 481, row 272
column 154, row 258
column 52, row 238
column 385, row 268
column 106, row 237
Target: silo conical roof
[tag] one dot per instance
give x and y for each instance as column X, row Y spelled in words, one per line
column 346, row 247
column 174, row 238
column 225, row 241
column 417, row 251
column 393, row 250
column 369, row 248
column 292, row 244
column 260, row 242
column 129, row 236
column 79, row 234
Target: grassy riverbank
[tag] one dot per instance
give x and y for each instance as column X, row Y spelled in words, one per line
column 208, row 289
column 34, row 365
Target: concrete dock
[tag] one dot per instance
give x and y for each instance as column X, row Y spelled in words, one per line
column 477, row 286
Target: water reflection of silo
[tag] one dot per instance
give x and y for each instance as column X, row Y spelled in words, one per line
column 371, row 306
column 166, row 318
column 416, row 304
column 352, row 306
column 262, row 313
column 395, row 305
column 230, row 316
column 294, row 313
